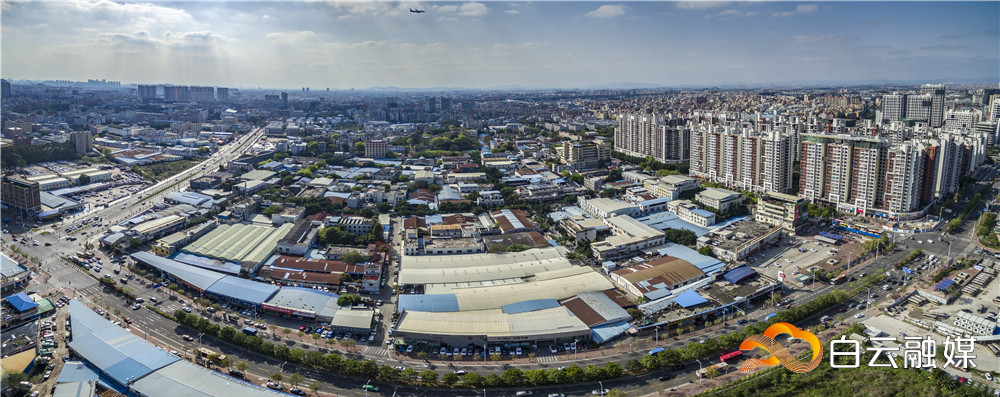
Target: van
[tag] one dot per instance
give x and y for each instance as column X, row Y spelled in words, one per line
column 371, row 338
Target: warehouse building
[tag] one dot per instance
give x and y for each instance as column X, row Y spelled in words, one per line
column 248, row 245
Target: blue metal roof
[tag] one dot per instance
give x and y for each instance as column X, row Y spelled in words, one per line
column 667, row 220
column 84, row 320
column 196, row 276
column 118, row 353
column 243, row 289
column 603, row 333
column 76, row 371
column 529, row 306
column 707, row 264
column 204, row 262
column 734, row 276
column 689, row 298
column 21, row 302
column 429, row 303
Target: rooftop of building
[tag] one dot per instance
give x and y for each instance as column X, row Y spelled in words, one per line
column 735, row 235
column 720, row 194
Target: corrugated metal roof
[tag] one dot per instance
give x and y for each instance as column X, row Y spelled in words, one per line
column 480, row 273
column 76, row 389
column 243, row 289
column 353, row 318
column 239, row 243
column 305, row 299
column 607, row 332
column 121, row 355
column 530, row 306
column 689, row 298
column 483, row 298
column 428, row 303
column 473, row 260
column 186, row 379
column 734, row 276
column 76, row 371
column 196, row 276
column 84, row 320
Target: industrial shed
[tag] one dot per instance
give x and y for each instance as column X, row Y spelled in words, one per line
column 186, row 379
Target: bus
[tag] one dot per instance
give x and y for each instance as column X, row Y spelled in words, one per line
column 731, row 355
column 721, row 367
column 838, row 280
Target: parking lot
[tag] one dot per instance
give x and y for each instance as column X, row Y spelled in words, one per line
column 795, row 260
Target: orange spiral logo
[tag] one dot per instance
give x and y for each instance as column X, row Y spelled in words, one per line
column 780, row 355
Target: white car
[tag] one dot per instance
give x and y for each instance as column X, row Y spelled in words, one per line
column 859, row 315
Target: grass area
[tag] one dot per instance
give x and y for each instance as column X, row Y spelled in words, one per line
column 827, row 381
column 161, row 171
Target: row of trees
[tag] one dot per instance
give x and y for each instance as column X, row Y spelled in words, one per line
column 19, row 156
column 650, row 164
column 513, row 377
column 338, row 235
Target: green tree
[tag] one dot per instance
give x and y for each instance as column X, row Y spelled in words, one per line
column 681, row 236
column 409, row 373
column 474, row 380
column 272, row 210
column 352, row 258
column 706, row 251
column 449, row 379
column 296, row 379
column 513, row 377
column 277, row 377
column 84, row 180
column 314, row 387
column 429, row 377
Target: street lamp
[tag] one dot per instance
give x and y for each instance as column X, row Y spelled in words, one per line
column 365, row 386
column 602, row 387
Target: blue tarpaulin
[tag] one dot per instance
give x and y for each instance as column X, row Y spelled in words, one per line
column 21, row 302
column 736, row 275
column 689, row 298
column 944, row 284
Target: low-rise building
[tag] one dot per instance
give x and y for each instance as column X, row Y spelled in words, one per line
column 514, row 221
column 168, row 245
column 299, row 239
column 691, row 213
column 670, row 186
column 720, row 199
column 356, row 224
column 655, row 279
column 737, row 241
column 629, row 237
column 602, row 208
column 781, row 210
column 288, row 215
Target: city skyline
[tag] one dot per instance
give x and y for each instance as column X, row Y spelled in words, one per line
column 499, row 44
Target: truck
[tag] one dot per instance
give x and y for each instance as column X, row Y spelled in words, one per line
column 250, row 331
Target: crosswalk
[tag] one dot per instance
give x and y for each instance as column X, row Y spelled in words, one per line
column 91, row 290
column 376, row 351
column 547, row 359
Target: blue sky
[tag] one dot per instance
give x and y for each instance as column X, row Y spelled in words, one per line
column 487, row 44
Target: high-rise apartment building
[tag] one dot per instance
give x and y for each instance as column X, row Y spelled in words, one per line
column 284, row 100
column 962, row 119
column 936, row 92
column 583, row 155
column 874, row 175
column 445, row 104
column 666, row 139
column 893, row 107
column 4, row 89
column 147, row 91
column 431, row 105
column 83, row 141
column 21, row 197
column 927, row 106
column 202, row 93
column 222, row 93
column 742, row 157
column 178, row 93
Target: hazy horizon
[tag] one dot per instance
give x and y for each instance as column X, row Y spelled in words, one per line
column 490, row 45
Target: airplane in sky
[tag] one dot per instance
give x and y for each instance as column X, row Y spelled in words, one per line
column 415, row 11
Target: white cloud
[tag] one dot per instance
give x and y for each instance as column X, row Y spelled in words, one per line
column 290, row 37
column 512, row 12
column 799, row 9
column 699, row 5
column 607, row 11
column 729, row 13
column 473, row 9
